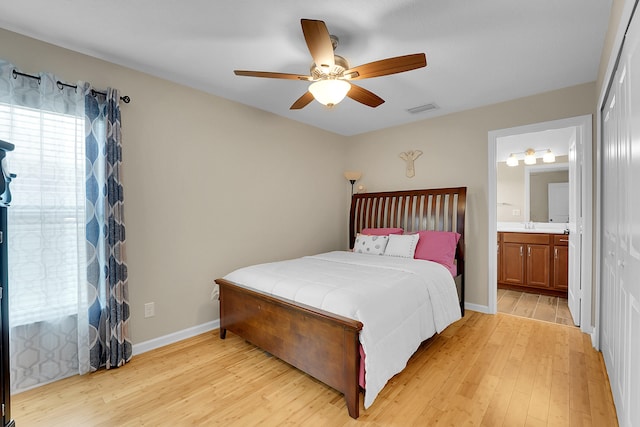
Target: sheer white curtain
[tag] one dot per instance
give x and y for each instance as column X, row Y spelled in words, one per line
column 47, row 244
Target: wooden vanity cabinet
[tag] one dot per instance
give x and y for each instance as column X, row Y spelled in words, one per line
column 561, row 262
column 500, row 274
column 527, row 262
column 526, row 259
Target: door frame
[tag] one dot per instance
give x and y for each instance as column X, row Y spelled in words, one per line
column 583, row 125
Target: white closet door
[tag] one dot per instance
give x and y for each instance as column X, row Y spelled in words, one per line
column 609, row 323
column 620, row 259
column 631, row 262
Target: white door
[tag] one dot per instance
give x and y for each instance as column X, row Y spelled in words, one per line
column 631, row 264
column 620, row 254
column 574, row 294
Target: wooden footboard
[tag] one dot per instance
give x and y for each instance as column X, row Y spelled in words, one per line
column 322, row 344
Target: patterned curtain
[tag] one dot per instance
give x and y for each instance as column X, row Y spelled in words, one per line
column 46, row 241
column 110, row 344
column 68, row 298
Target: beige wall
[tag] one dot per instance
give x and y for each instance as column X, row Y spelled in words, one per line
column 509, row 192
column 210, row 185
column 455, row 154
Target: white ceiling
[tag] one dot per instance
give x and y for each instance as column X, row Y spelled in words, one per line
column 557, row 140
column 478, row 52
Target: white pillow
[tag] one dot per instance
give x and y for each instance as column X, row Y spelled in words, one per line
column 373, row 245
column 402, row 245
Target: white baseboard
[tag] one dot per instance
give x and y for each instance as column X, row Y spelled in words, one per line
column 143, row 347
column 476, row 307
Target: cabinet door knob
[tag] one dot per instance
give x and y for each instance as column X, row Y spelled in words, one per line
column 529, row 250
column 520, row 250
column 555, row 252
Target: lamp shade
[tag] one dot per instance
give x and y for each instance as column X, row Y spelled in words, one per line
column 352, row 175
column 329, row 92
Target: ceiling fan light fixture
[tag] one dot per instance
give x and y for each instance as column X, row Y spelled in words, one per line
column 329, row 92
column 330, row 72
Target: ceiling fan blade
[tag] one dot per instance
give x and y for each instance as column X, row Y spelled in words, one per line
column 388, row 66
column 318, row 42
column 364, row 96
column 271, row 75
column 302, row 102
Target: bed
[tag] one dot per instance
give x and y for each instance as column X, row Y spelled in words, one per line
column 325, row 343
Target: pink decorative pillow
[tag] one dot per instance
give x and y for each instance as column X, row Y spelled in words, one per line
column 438, row 246
column 381, row 231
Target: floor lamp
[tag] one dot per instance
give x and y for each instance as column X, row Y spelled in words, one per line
column 352, row 177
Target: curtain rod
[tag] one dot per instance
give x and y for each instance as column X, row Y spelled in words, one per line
column 61, row 85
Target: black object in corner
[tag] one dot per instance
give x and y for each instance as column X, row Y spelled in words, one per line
column 5, row 200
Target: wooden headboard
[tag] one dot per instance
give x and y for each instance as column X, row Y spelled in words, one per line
column 440, row 209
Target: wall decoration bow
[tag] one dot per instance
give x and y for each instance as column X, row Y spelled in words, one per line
column 409, row 157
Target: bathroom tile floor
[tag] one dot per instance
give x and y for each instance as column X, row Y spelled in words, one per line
column 534, row 306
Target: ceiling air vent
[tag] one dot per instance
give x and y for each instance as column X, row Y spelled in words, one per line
column 422, row 108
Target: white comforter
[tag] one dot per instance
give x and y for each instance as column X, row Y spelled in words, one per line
column 401, row 302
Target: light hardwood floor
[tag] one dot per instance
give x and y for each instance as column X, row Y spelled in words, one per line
column 491, row 370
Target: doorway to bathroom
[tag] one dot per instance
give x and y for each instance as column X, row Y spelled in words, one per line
column 512, row 212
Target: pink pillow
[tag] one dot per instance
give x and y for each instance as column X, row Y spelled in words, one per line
column 438, row 246
column 381, row 231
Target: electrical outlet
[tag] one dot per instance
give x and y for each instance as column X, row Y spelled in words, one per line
column 149, row 309
column 515, row 212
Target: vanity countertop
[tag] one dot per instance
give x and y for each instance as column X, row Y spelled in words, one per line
column 537, row 227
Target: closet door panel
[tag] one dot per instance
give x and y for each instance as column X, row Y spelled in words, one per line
column 620, row 342
column 634, row 369
column 615, row 238
column 623, row 202
column 609, row 228
column 632, row 264
column 631, row 261
column 620, row 238
column 622, row 150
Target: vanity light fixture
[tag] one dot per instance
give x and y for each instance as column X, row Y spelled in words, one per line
column 352, row 177
column 512, row 160
column 530, row 157
column 549, row 157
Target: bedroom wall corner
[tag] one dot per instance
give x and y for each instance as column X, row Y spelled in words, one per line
column 210, row 185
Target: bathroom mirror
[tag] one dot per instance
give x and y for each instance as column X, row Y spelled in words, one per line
column 522, row 192
column 545, row 184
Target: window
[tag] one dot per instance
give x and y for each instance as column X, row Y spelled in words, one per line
column 47, row 214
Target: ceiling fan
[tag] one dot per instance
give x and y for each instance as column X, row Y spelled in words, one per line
column 331, row 74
